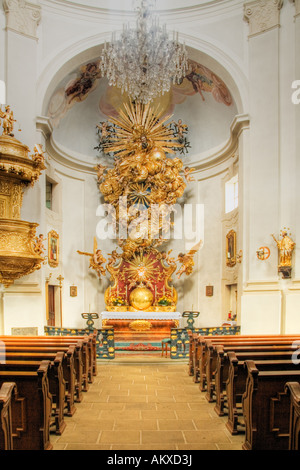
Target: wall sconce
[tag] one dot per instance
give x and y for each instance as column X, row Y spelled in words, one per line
column 239, row 256
column 263, row 253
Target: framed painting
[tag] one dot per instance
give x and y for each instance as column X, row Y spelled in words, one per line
column 231, row 248
column 209, row 291
column 53, row 249
column 73, row 291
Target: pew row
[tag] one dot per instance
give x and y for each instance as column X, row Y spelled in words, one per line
column 31, row 407
column 266, row 408
column 57, row 386
column 88, row 350
column 200, row 350
column 215, row 350
column 7, row 391
column 237, row 377
column 293, row 390
column 75, row 350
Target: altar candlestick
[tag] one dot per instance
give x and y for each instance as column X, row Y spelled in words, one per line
column 164, row 291
column 155, row 292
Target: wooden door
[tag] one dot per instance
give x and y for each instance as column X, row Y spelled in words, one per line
column 51, row 306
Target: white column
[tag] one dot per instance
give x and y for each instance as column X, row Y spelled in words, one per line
column 292, row 318
column 261, row 299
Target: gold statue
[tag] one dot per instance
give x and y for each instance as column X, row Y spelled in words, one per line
column 8, row 121
column 96, row 259
column 285, row 249
column 187, row 260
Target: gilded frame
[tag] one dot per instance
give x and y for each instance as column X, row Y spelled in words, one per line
column 231, row 248
column 53, row 249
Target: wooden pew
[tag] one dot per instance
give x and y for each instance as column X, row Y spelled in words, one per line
column 7, row 391
column 67, row 368
column 222, row 365
column 204, row 342
column 31, row 409
column 293, row 390
column 258, row 345
column 42, row 348
column 237, row 376
column 89, row 339
column 266, row 408
column 57, row 385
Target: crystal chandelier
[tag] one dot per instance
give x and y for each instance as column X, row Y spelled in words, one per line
column 144, row 62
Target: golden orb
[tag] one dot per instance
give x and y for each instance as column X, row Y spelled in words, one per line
column 157, row 154
column 141, row 298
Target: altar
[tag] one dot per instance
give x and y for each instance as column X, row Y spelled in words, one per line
column 141, row 327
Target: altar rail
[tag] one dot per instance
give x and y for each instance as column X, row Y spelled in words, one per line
column 180, row 338
column 105, row 341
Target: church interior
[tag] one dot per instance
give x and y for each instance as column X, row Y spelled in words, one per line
column 149, row 225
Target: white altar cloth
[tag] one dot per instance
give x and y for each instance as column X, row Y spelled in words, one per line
column 140, row 315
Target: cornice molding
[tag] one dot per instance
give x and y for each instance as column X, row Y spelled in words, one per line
column 59, row 154
column 227, row 150
column 204, row 11
column 77, row 162
column 262, row 15
column 22, row 17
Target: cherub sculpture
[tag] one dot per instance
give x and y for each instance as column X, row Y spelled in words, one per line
column 187, row 171
column 187, row 260
column 38, row 157
column 39, row 245
column 96, row 259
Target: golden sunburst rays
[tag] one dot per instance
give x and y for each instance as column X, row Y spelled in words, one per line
column 141, row 269
column 140, row 128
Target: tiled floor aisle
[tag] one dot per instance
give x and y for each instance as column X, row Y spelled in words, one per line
column 135, row 406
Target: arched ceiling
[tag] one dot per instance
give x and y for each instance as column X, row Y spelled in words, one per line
column 82, row 99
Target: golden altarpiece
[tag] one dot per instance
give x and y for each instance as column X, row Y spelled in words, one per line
column 141, row 296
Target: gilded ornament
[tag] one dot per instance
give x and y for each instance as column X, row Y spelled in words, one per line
column 21, row 252
column 141, row 297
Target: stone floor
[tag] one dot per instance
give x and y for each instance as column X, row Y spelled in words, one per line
column 145, row 406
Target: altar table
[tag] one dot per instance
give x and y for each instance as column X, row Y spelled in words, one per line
column 141, row 326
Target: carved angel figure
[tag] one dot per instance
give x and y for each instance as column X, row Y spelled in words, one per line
column 187, row 260
column 39, row 245
column 38, row 156
column 8, row 121
column 96, row 259
column 187, row 171
column 100, row 171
